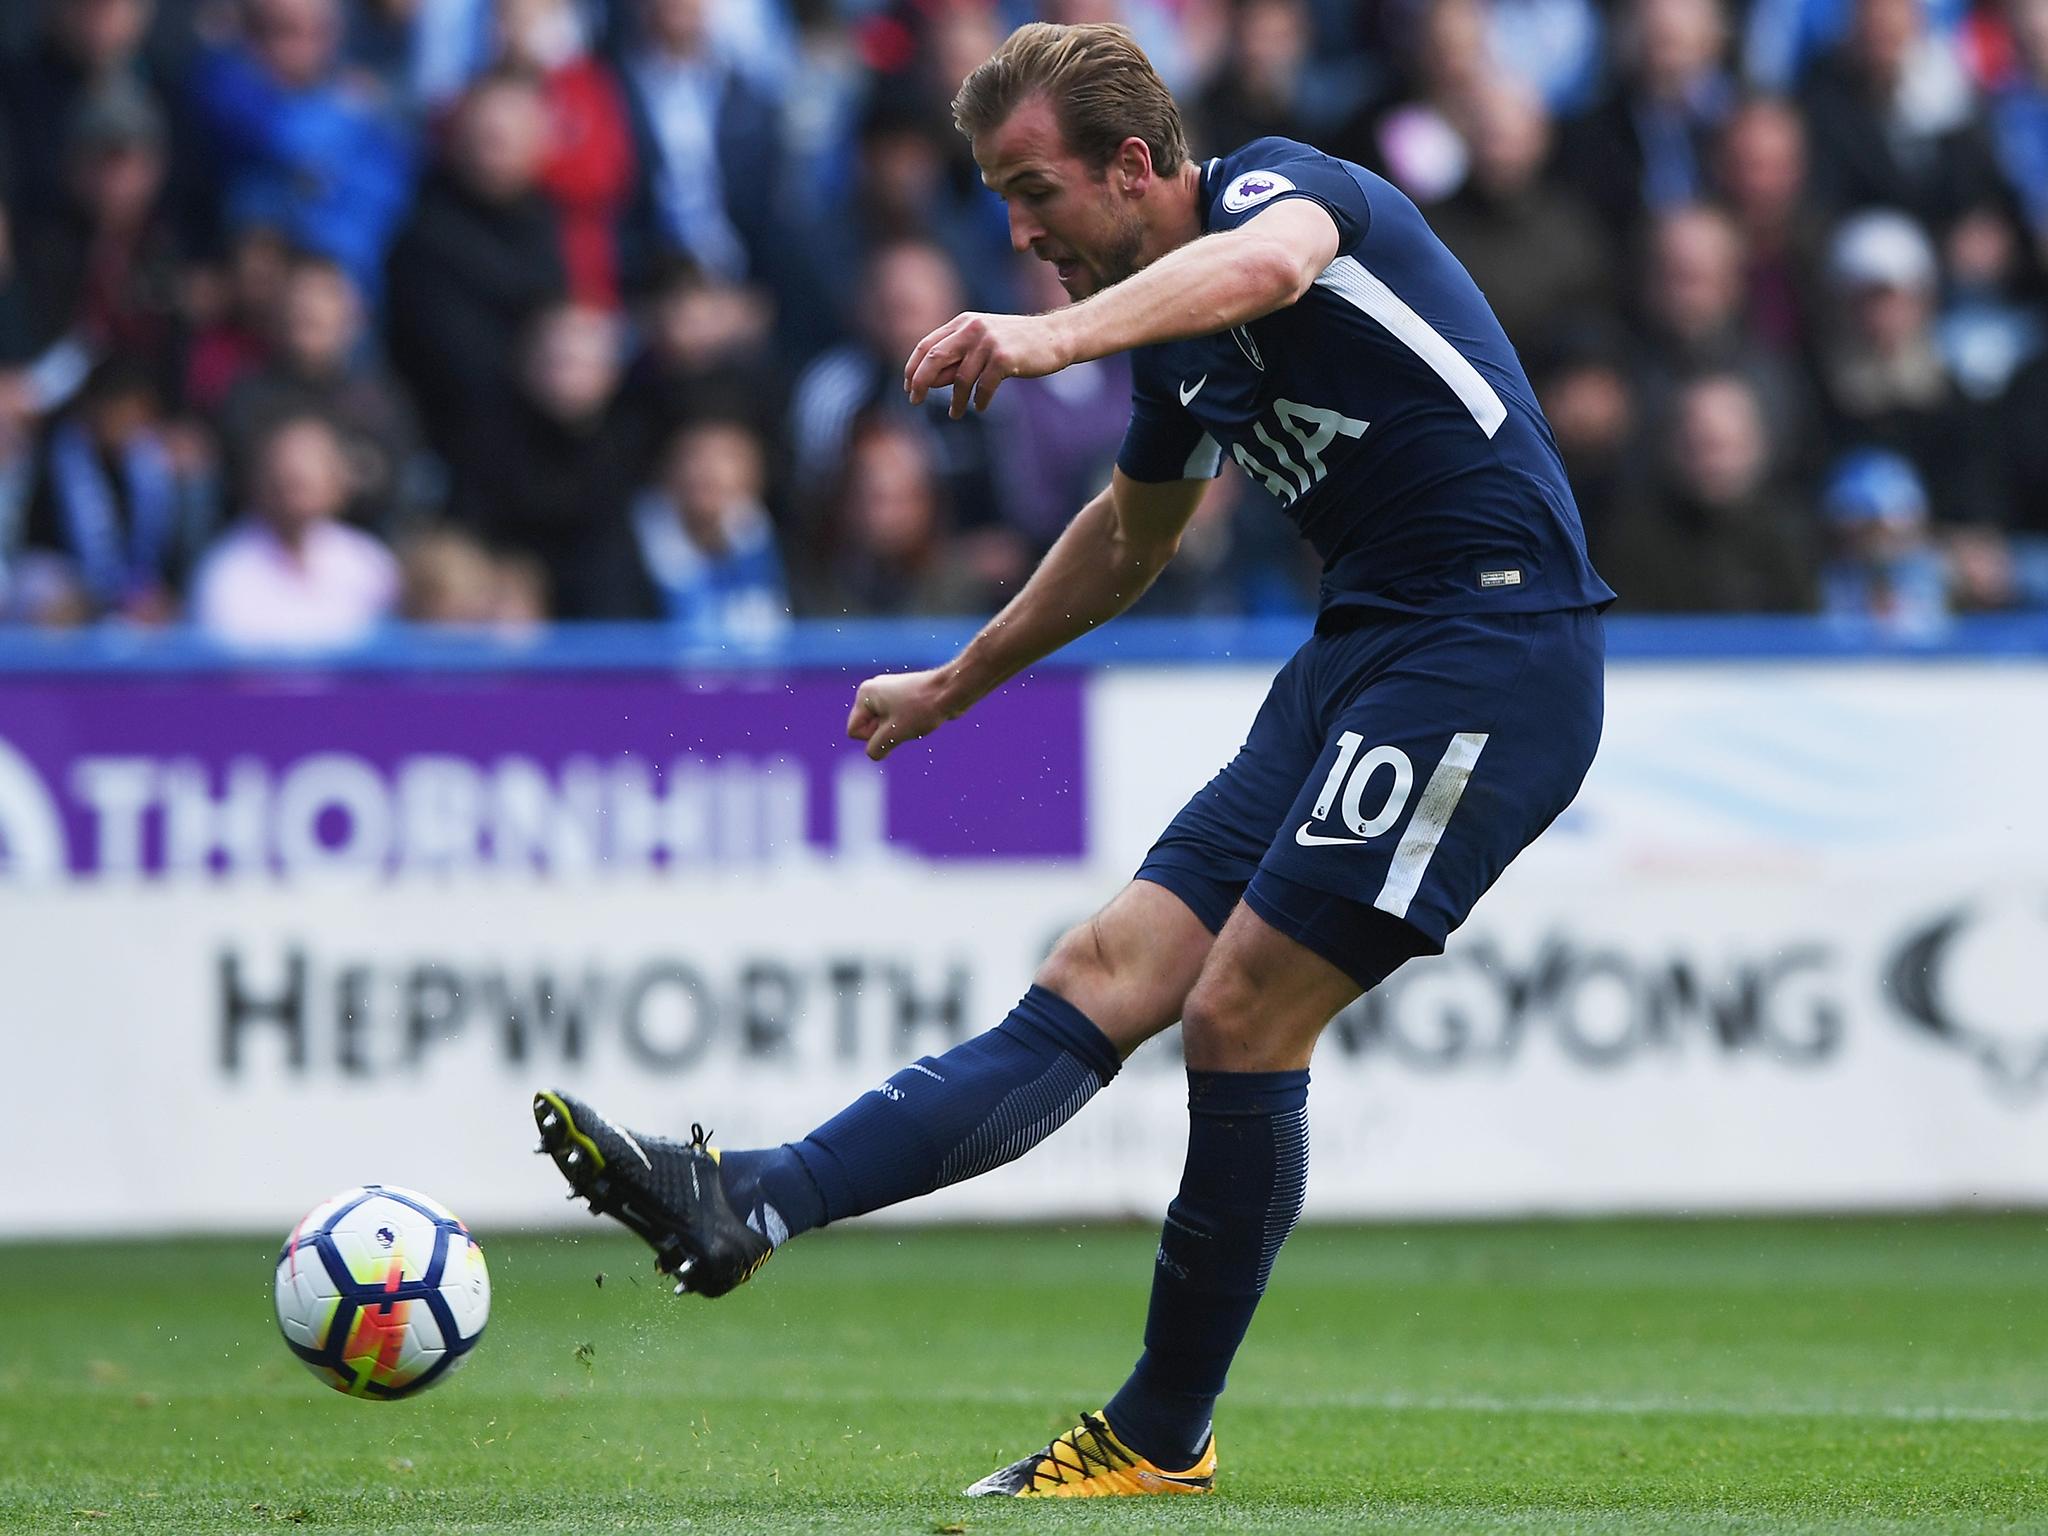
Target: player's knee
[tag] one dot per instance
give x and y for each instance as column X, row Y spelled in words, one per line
column 1220, row 1025
column 1080, row 967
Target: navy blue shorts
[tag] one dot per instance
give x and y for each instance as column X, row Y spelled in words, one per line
column 1393, row 771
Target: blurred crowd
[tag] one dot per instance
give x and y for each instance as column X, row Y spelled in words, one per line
column 319, row 313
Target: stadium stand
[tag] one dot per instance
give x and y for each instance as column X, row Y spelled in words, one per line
column 586, row 290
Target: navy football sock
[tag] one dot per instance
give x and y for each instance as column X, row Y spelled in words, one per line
column 772, row 1191
column 1239, row 1196
column 936, row 1122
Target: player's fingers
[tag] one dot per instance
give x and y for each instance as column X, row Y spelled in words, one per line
column 969, row 336
column 881, row 744
column 944, row 343
column 862, row 719
column 986, row 386
column 917, row 353
column 967, row 378
column 936, row 371
column 917, row 356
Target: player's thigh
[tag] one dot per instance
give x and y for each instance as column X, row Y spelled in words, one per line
column 1448, row 761
column 1210, row 850
column 1261, row 1000
column 1129, row 967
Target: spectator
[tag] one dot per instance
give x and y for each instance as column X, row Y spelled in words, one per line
column 112, row 516
column 911, row 182
column 554, row 477
column 909, row 290
column 1535, row 252
column 448, row 577
column 707, row 347
column 233, row 315
column 421, row 53
column 1055, row 439
column 1893, row 123
column 2025, row 445
column 104, row 269
column 17, row 326
column 1555, row 48
column 1583, row 383
column 588, row 169
column 84, row 47
column 1882, row 565
column 1722, row 537
column 1257, row 90
column 322, row 368
column 300, row 148
column 20, row 405
column 1648, row 147
column 2019, row 121
column 1179, row 36
column 1417, row 143
column 1781, row 39
column 706, row 540
column 1885, row 383
column 821, row 101
column 1235, row 558
column 709, row 144
column 886, row 548
column 1693, row 303
column 481, row 254
column 1760, row 172
column 291, row 573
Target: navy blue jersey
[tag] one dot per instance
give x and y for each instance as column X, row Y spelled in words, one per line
column 1385, row 411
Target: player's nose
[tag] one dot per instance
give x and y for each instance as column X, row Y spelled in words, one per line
column 1024, row 230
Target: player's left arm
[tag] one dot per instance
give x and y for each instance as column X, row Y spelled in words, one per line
column 1208, row 285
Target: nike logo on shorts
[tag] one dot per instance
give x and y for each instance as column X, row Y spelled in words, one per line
column 1309, row 839
column 1189, row 391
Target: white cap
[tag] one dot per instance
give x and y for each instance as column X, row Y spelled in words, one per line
column 1882, row 248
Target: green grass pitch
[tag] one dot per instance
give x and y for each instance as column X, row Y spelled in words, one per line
column 1865, row 1375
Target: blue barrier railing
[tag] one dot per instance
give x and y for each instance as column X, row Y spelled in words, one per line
column 882, row 644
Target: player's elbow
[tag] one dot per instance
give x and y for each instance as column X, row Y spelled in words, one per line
column 1144, row 558
column 1141, row 554
column 1277, row 273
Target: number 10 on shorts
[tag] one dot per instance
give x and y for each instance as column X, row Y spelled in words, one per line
column 1351, row 780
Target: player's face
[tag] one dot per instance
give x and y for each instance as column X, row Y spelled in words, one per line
column 1060, row 210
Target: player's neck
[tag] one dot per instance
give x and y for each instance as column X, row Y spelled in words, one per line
column 1177, row 215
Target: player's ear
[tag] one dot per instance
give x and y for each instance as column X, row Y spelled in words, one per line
column 1131, row 166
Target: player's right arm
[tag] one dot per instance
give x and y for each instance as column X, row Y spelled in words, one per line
column 1111, row 552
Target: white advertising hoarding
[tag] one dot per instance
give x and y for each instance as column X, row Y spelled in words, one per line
column 1781, row 954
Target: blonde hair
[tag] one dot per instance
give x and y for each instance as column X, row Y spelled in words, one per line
column 1102, row 89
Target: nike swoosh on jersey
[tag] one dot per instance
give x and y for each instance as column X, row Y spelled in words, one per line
column 1189, row 391
column 1309, row 839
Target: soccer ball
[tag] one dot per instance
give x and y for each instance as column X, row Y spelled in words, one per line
column 381, row 1291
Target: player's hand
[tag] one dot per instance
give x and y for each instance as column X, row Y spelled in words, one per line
column 890, row 710
column 975, row 353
